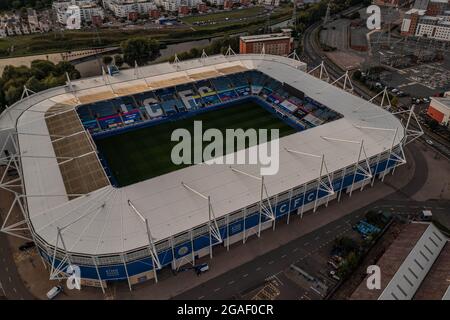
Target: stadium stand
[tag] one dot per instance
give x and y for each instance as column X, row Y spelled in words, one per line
column 170, row 101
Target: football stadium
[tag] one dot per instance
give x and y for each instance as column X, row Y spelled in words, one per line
column 97, row 187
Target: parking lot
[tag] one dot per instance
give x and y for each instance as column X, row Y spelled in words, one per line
column 312, row 276
column 318, row 272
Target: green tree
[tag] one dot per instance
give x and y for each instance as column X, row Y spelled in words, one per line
column 107, row 60
column 12, row 94
column 42, row 74
column 433, row 124
column 139, row 49
column 65, row 66
column 35, row 85
column 42, row 68
column 118, row 60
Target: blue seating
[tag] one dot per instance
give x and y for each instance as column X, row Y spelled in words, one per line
column 171, row 101
column 222, row 84
column 145, row 98
column 103, row 109
column 124, row 104
column 257, row 78
column 204, row 87
column 85, row 114
column 238, row 80
column 166, row 94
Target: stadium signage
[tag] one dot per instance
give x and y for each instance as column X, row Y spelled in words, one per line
column 190, row 149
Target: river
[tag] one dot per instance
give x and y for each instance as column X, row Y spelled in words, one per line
column 92, row 67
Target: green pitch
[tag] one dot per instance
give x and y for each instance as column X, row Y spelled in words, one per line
column 146, row 153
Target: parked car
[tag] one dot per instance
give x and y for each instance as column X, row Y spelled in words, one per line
column 27, row 245
column 54, row 292
column 430, row 142
column 201, row 268
column 334, row 275
column 331, row 263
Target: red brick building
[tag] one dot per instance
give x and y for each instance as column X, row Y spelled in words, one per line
column 202, row 7
column 281, row 44
column 228, row 4
column 393, row 3
column 410, row 21
column 97, row 21
column 436, row 7
column 184, row 10
column 133, row 16
column 154, row 14
column 439, row 109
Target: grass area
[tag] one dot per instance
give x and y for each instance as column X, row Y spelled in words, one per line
column 244, row 19
column 221, row 16
column 72, row 40
column 145, row 153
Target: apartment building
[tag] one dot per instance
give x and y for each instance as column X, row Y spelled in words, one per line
column 123, row 8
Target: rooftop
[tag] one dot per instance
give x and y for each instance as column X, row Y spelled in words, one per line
column 260, row 37
column 443, row 101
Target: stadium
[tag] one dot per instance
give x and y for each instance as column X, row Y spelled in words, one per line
column 96, row 187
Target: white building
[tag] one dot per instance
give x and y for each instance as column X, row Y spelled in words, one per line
column 88, row 9
column 122, row 8
column 173, row 5
column 274, row 3
column 434, row 27
column 217, row 2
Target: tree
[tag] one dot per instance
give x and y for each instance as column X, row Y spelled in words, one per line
column 433, row 124
column 357, row 75
column 139, row 49
column 107, row 60
column 346, row 245
column 41, row 68
column 118, row 60
column 42, row 74
column 35, row 85
column 12, row 94
column 64, row 67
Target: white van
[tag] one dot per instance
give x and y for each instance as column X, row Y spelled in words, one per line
column 54, row 292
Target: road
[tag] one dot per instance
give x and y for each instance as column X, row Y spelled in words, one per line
column 10, row 282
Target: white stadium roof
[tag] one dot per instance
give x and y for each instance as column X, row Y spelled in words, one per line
column 102, row 222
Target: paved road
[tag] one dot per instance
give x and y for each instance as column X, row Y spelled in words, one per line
column 10, row 282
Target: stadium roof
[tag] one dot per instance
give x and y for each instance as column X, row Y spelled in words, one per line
column 102, row 222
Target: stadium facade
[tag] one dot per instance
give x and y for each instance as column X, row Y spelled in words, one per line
column 77, row 216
